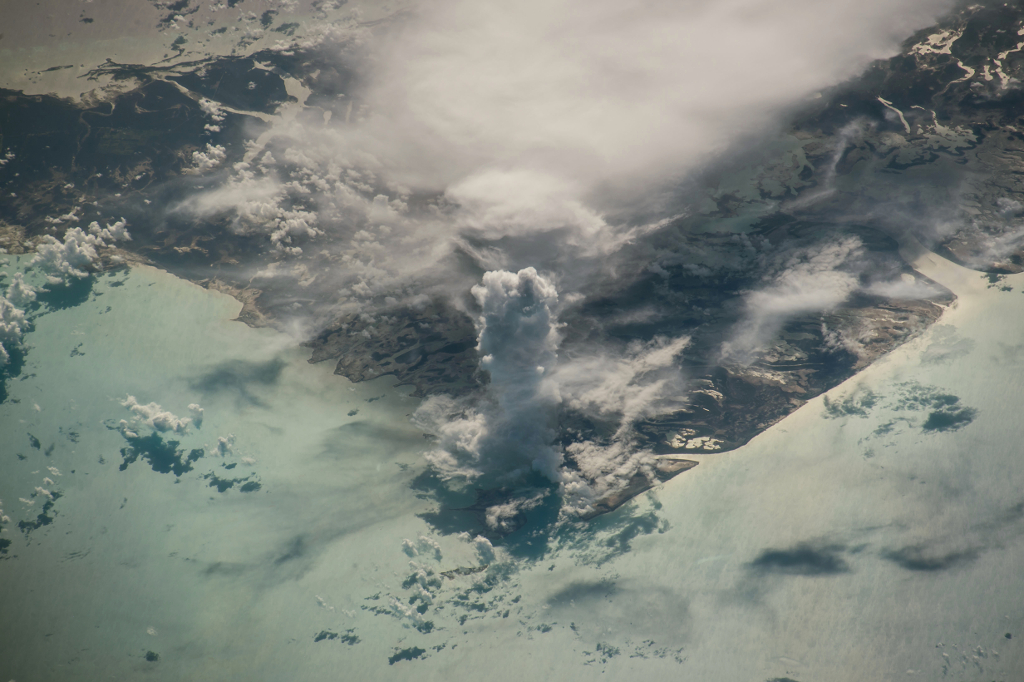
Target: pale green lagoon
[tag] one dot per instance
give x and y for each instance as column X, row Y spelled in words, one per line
column 855, row 540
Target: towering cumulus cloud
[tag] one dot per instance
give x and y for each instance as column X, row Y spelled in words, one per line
column 518, row 343
column 511, row 430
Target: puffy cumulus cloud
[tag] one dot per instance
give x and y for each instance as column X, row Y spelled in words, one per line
column 225, row 445
column 618, row 390
column 484, row 550
column 13, row 325
column 156, row 417
column 76, row 255
column 69, row 217
column 812, row 279
column 205, row 160
column 118, row 232
column 215, row 112
column 196, row 413
column 601, row 468
column 462, row 435
column 423, row 545
column 19, row 293
column 71, row 258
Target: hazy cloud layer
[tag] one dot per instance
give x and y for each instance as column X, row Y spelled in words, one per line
column 534, row 122
column 514, row 139
column 586, row 92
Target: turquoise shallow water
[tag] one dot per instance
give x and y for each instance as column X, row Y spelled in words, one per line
column 852, row 541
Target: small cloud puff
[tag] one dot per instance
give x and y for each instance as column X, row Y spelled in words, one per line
column 214, row 111
column 225, row 444
column 118, row 232
column 197, row 414
column 206, row 160
column 502, row 517
column 423, row 545
column 156, row 417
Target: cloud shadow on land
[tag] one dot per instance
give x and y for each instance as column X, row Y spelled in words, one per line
column 804, row 559
column 238, row 377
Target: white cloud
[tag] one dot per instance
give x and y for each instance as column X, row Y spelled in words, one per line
column 484, row 550
column 157, row 417
column 225, row 445
column 12, row 329
column 197, row 414
column 205, row 160
column 810, row 280
column 513, row 431
column 501, row 517
column 261, row 207
column 591, row 92
column 118, row 232
column 422, row 545
column 533, row 122
column 215, row 112
column 19, row 293
column 631, row 384
column 75, row 256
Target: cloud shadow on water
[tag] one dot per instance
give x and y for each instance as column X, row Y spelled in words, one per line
column 804, row 559
column 922, row 558
column 60, row 297
column 239, row 377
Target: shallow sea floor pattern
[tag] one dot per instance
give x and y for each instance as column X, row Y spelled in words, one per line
column 873, row 534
